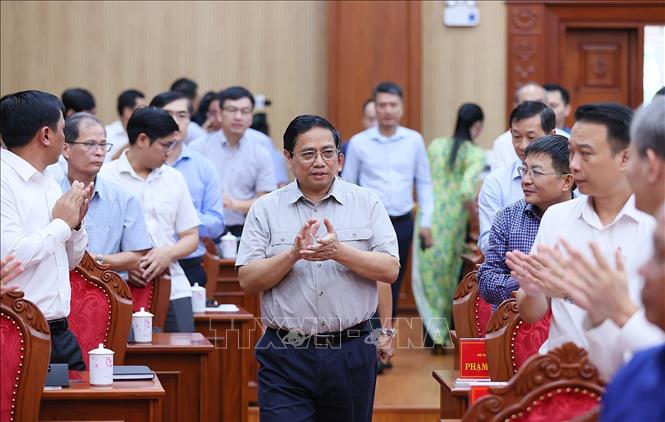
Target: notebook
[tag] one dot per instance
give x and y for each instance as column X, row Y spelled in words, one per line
column 132, row 372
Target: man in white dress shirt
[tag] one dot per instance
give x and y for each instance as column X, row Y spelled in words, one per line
column 116, row 132
column 389, row 160
column 503, row 154
column 621, row 234
column 41, row 227
column 169, row 213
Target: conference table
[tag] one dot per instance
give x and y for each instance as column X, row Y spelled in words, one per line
column 230, row 334
column 182, row 363
column 129, row 401
column 454, row 400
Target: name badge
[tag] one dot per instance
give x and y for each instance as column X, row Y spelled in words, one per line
column 473, row 359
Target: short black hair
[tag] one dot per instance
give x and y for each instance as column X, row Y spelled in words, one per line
column 534, row 108
column 160, row 100
column 660, row 92
column 154, row 122
column 186, row 86
column 234, row 93
column 304, row 123
column 615, row 117
column 73, row 125
column 127, row 99
column 23, row 113
column 565, row 95
column 553, row 146
column 387, row 88
column 78, row 99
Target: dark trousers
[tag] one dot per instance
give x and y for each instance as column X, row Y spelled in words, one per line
column 64, row 346
column 180, row 317
column 193, row 268
column 403, row 226
column 234, row 230
column 315, row 383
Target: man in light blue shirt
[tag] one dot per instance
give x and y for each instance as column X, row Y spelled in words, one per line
column 117, row 233
column 503, row 187
column 244, row 166
column 202, row 181
column 388, row 159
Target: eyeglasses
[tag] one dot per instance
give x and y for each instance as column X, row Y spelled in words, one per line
column 167, row 145
column 92, row 146
column 310, row 156
column 534, row 174
column 233, row 110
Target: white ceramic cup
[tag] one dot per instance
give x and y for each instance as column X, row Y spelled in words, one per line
column 142, row 326
column 229, row 246
column 100, row 366
column 198, row 298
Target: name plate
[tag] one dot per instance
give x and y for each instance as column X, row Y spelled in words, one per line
column 473, row 359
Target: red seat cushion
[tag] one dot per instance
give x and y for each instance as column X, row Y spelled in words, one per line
column 142, row 297
column 11, row 340
column 483, row 313
column 90, row 315
column 560, row 407
column 528, row 339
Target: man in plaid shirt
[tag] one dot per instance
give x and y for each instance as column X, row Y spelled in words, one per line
column 546, row 180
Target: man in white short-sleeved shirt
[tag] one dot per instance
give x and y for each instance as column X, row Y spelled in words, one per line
column 608, row 217
column 169, row 213
column 41, row 227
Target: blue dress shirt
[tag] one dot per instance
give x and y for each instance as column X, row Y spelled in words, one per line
column 114, row 221
column 388, row 166
column 278, row 160
column 636, row 392
column 515, row 227
column 206, row 192
column 501, row 188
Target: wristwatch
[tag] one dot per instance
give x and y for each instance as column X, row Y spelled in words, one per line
column 99, row 259
column 389, row 332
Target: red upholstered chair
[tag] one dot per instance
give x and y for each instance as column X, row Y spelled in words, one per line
column 26, row 348
column 558, row 386
column 510, row 341
column 470, row 312
column 101, row 308
column 154, row 298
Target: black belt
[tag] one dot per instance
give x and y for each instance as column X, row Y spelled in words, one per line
column 397, row 219
column 325, row 339
column 58, row 326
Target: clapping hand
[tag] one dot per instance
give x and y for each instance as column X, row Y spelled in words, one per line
column 325, row 248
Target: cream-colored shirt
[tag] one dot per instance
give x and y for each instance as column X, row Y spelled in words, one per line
column 167, row 207
column 632, row 231
column 317, row 297
column 47, row 248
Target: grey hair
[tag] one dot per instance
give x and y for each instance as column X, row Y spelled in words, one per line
column 73, row 125
column 648, row 128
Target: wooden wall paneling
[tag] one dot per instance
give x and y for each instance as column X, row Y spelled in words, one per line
column 526, row 57
column 369, row 42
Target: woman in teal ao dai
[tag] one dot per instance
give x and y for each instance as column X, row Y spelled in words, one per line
column 455, row 164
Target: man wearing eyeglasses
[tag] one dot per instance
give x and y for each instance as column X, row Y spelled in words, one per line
column 202, row 180
column 546, row 180
column 316, row 250
column 167, row 206
column 117, row 234
column 244, row 166
column 502, row 187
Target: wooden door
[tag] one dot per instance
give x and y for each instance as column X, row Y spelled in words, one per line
column 598, row 66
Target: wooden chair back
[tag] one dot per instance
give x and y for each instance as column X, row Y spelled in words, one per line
column 101, row 308
column 510, row 341
column 470, row 312
column 558, row 386
column 154, row 298
column 26, row 350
